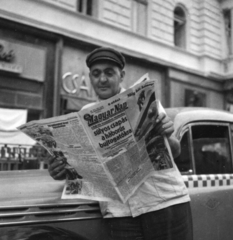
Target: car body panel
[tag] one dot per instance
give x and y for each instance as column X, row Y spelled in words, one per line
column 183, row 116
column 39, row 232
column 212, row 212
column 32, row 198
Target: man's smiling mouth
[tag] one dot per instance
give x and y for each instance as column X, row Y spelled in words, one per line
column 103, row 88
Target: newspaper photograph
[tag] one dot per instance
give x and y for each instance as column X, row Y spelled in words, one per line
column 110, row 148
column 145, row 126
column 65, row 136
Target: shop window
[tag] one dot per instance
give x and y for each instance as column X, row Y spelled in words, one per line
column 179, row 27
column 194, row 98
column 139, row 20
column 33, row 115
column 228, row 31
column 17, row 150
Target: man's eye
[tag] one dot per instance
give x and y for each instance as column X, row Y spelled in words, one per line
column 95, row 74
column 109, row 73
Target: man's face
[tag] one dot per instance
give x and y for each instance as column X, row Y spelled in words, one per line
column 105, row 78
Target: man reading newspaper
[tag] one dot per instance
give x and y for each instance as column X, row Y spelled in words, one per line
column 160, row 207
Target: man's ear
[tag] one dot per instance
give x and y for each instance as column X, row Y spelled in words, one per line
column 122, row 74
column 90, row 76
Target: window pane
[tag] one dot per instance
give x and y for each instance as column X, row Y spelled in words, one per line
column 89, row 7
column 142, row 19
column 179, row 28
column 139, row 17
column 228, row 30
column 211, row 149
column 85, row 6
column 70, row 4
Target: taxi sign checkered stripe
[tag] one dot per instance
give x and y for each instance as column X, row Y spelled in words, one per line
column 211, row 180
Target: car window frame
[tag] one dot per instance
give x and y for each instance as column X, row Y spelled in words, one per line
column 188, row 128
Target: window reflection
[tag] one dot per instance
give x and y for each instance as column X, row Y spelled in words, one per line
column 211, row 148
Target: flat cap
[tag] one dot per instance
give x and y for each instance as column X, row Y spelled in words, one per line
column 104, row 53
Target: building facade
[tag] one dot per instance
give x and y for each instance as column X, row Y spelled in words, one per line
column 185, row 45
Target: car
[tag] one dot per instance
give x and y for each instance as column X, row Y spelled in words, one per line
column 31, row 199
column 205, row 163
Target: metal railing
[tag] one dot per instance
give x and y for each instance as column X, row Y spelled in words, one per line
column 21, row 157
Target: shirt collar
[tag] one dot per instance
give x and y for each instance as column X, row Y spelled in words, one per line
column 121, row 91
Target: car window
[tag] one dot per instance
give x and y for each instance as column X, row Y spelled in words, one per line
column 211, row 148
column 183, row 161
column 205, row 149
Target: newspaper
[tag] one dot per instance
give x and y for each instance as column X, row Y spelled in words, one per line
column 110, row 148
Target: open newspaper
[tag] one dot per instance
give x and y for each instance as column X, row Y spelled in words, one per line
column 109, row 148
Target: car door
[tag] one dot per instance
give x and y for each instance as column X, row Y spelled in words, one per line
column 206, row 165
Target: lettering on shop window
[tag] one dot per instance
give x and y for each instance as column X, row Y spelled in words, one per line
column 84, row 85
column 6, row 56
column 71, row 85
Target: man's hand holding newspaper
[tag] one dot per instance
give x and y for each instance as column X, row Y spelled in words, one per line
column 57, row 167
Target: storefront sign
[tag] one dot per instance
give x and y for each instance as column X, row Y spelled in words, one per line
column 70, row 83
column 10, row 67
column 7, row 57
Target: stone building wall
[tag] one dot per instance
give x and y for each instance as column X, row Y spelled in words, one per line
column 204, row 22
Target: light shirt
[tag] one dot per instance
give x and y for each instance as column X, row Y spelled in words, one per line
column 99, row 100
column 163, row 189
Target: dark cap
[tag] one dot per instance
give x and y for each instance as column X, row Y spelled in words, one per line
column 105, row 54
